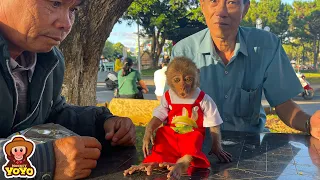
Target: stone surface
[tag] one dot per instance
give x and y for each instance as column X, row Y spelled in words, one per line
column 255, row 156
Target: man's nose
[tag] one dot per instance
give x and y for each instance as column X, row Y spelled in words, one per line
column 221, row 9
column 65, row 22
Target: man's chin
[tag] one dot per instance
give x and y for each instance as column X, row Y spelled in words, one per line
column 44, row 49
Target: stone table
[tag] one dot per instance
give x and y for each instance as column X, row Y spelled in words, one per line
column 255, row 156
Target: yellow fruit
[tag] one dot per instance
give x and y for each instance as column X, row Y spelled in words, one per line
column 184, row 120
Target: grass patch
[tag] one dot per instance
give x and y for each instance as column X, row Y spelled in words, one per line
column 313, row 78
column 148, row 72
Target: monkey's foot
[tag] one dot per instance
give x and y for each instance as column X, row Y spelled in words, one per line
column 147, row 167
column 180, row 167
column 176, row 171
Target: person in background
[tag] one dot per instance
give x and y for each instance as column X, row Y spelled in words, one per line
column 118, row 64
column 160, row 78
column 127, row 81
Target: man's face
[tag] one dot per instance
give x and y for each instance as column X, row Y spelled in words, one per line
column 223, row 17
column 36, row 25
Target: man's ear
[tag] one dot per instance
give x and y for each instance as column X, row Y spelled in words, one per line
column 246, row 9
column 202, row 5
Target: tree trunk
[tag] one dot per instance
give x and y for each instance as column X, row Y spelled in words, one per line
column 159, row 50
column 153, row 47
column 303, row 56
column 84, row 45
column 315, row 53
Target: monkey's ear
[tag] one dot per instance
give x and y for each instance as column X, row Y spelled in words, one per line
column 185, row 112
column 194, row 115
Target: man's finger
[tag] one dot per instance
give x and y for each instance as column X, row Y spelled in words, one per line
column 88, row 164
column 123, row 140
column 109, row 128
column 122, row 131
column 91, row 153
column 83, row 174
column 91, row 142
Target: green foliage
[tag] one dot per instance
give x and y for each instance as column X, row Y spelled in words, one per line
column 108, row 50
column 155, row 15
column 273, row 13
column 305, row 29
column 118, row 48
column 111, row 50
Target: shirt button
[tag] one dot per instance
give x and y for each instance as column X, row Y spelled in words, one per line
column 226, row 72
column 46, row 177
column 226, row 96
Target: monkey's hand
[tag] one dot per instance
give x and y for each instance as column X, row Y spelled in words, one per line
column 222, row 155
column 148, row 137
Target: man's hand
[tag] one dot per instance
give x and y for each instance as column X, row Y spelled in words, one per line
column 75, row 157
column 148, row 136
column 314, row 148
column 222, row 155
column 145, row 91
column 315, row 125
column 120, row 131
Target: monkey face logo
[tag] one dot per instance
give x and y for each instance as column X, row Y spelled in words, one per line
column 17, row 152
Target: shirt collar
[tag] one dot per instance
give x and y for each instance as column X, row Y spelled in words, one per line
column 28, row 63
column 206, row 45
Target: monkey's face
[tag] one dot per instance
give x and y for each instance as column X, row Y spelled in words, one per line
column 18, row 152
column 183, row 85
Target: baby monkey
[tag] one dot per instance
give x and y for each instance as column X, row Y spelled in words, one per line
column 178, row 142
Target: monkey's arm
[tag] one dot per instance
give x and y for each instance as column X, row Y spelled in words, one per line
column 216, row 148
column 216, row 136
column 153, row 124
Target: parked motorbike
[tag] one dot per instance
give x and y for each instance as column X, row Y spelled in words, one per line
column 308, row 92
column 111, row 80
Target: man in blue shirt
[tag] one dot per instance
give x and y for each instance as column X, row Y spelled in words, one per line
column 237, row 64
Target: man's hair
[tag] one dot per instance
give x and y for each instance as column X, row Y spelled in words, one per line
column 126, row 69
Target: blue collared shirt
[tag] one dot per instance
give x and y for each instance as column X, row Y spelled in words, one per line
column 259, row 64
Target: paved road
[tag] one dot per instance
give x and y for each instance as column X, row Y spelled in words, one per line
column 103, row 95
